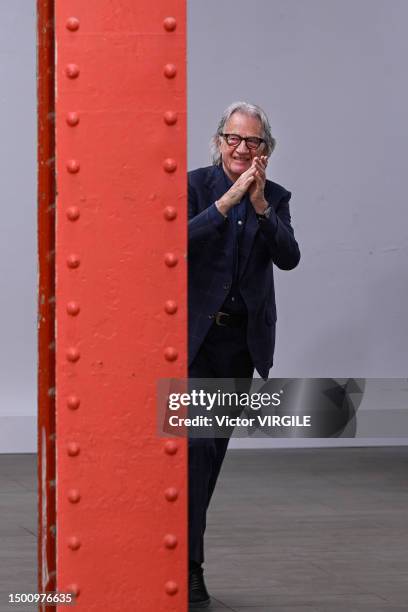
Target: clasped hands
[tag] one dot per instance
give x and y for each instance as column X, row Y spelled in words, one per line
column 251, row 181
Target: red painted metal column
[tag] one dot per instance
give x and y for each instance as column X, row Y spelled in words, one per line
column 120, row 301
column 46, row 296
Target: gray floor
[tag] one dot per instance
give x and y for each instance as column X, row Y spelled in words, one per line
column 289, row 530
column 18, row 528
column 313, row 530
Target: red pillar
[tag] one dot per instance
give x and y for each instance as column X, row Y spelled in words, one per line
column 46, row 296
column 120, row 301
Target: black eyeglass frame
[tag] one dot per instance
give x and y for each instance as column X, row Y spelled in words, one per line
column 246, row 139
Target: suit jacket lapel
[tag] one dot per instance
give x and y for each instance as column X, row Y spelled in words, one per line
column 251, row 228
column 216, row 188
column 216, row 184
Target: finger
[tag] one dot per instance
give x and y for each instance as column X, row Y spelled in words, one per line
column 244, row 180
column 258, row 180
column 251, row 167
column 260, row 183
column 262, row 177
column 260, row 171
column 250, row 172
column 241, row 181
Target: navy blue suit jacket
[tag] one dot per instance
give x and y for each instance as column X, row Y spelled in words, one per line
column 210, row 262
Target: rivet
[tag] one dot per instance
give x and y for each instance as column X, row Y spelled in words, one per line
column 73, row 213
column 171, row 587
column 72, row 71
column 72, row 24
column 170, row 306
column 170, row 165
column 72, row 119
column 74, row 589
column 170, row 541
column 73, row 166
column 169, row 24
column 170, row 213
column 170, row 353
column 171, row 260
column 171, row 494
column 73, row 449
column 73, row 308
column 171, row 447
column 170, row 117
column 74, row 543
column 73, row 261
column 73, row 354
column 170, row 71
column 73, row 402
column 74, row 496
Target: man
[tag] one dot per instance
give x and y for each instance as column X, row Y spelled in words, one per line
column 239, row 226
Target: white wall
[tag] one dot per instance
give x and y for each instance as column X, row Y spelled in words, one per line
column 331, row 74
column 18, row 233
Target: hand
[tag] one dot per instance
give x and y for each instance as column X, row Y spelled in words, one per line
column 257, row 187
column 235, row 194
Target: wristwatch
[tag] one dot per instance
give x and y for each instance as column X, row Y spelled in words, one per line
column 264, row 215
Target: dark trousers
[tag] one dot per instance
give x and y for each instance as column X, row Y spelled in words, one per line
column 223, row 354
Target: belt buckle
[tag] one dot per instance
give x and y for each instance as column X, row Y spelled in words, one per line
column 218, row 318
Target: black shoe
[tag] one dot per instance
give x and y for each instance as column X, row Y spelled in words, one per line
column 198, row 596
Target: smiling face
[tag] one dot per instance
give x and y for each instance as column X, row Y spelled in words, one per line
column 236, row 160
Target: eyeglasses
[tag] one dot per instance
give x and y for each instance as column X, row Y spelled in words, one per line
column 234, row 140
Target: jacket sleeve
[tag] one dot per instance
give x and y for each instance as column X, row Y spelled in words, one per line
column 280, row 236
column 202, row 225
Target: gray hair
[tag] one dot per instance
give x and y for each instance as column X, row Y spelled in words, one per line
column 247, row 109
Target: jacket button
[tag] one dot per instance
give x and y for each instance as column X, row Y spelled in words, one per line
column 227, row 286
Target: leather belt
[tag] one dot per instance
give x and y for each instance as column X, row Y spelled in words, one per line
column 226, row 319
